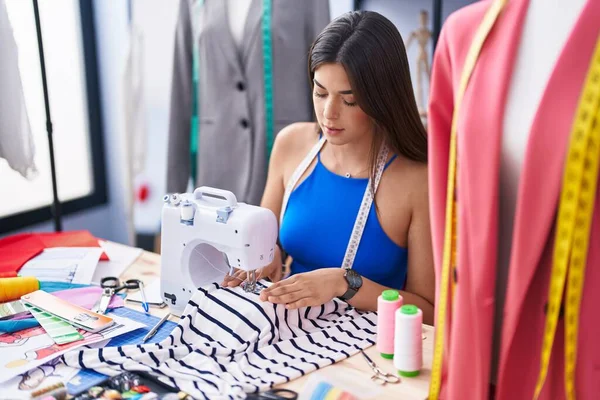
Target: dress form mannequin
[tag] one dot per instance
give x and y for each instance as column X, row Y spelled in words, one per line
column 237, row 11
column 547, row 27
column 514, row 129
column 232, row 132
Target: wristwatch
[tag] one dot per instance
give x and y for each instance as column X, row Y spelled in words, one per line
column 354, row 283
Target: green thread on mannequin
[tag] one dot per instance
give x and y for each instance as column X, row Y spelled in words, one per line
column 268, row 75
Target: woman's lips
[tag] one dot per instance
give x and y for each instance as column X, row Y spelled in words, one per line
column 333, row 131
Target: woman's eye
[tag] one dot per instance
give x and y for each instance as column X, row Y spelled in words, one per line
column 349, row 104
column 320, row 95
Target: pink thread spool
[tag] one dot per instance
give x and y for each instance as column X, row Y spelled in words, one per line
column 387, row 304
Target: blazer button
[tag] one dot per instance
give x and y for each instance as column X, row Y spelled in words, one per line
column 244, row 123
column 240, row 86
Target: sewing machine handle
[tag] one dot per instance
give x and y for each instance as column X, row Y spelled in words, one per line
column 226, row 195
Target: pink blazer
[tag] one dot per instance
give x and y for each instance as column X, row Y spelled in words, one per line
column 469, row 338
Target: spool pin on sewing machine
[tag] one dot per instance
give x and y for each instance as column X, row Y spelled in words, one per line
column 206, row 233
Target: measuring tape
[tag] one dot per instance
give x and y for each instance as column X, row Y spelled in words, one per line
column 575, row 211
column 363, row 212
column 268, row 75
column 573, row 223
column 195, row 109
column 450, row 235
column 267, row 47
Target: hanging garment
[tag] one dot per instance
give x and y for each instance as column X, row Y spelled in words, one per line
column 134, row 117
column 250, row 347
column 134, row 102
column 232, row 127
column 16, row 140
column 468, row 337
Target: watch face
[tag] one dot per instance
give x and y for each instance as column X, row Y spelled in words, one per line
column 354, row 279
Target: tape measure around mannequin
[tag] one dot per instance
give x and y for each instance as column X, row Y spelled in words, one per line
column 194, row 128
column 450, row 236
column 267, row 49
column 575, row 211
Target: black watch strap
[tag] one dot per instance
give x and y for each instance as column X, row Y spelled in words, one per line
column 349, row 294
column 354, row 284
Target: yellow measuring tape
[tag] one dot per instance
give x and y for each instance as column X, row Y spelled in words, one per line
column 575, row 211
column 573, row 223
column 450, row 236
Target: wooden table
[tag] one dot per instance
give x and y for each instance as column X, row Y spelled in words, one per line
column 147, row 269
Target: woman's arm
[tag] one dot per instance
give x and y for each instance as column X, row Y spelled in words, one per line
column 320, row 286
column 366, row 297
column 420, row 284
column 420, row 279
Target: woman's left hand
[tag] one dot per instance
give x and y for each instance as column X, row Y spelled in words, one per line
column 307, row 289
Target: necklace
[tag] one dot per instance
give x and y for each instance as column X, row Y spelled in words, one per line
column 348, row 174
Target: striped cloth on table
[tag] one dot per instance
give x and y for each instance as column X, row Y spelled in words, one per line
column 229, row 343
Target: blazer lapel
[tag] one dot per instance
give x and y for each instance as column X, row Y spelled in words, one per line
column 544, row 161
column 479, row 150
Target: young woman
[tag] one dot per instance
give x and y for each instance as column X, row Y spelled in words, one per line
column 367, row 120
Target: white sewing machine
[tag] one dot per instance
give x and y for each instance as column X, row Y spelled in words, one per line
column 205, row 235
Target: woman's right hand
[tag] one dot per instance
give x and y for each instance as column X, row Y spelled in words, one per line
column 272, row 271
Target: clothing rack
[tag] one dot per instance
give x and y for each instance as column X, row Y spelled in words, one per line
column 55, row 202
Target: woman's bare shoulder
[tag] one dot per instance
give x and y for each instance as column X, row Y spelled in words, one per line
column 408, row 177
column 297, row 136
column 294, row 141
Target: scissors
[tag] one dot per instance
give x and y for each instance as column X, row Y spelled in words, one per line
column 112, row 286
column 274, row 394
column 379, row 376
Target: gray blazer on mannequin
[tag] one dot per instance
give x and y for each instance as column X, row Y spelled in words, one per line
column 232, row 138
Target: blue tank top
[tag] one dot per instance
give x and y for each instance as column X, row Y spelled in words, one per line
column 318, row 222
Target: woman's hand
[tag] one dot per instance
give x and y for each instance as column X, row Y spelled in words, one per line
column 307, row 289
column 272, row 271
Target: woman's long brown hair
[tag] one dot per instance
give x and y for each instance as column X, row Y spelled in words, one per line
column 372, row 52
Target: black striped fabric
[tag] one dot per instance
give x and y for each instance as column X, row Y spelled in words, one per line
column 229, row 343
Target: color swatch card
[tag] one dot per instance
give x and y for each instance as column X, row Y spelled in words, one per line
column 78, row 317
column 12, row 309
column 60, row 331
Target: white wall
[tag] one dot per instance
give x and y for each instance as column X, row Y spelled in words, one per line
column 111, row 29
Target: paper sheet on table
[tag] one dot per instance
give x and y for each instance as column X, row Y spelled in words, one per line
column 23, row 350
column 152, row 292
column 64, row 264
column 51, row 373
column 121, row 257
